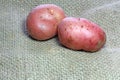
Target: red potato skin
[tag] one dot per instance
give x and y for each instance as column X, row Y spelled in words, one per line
column 81, row 34
column 42, row 21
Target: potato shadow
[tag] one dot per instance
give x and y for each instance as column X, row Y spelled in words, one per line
column 58, row 42
column 24, row 27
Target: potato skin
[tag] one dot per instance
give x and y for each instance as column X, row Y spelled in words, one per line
column 81, row 34
column 42, row 21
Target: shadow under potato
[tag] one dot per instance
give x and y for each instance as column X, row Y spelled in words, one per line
column 24, row 27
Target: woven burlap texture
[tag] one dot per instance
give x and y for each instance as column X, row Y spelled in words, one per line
column 22, row 58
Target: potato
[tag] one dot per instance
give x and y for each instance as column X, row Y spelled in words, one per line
column 43, row 20
column 81, row 34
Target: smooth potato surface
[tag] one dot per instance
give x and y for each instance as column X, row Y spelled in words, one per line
column 43, row 20
column 81, row 34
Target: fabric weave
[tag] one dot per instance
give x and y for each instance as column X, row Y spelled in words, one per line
column 22, row 58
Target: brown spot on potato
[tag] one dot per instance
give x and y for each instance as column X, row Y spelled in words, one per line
column 81, row 26
column 70, row 39
column 90, row 41
column 47, row 9
column 50, row 11
column 65, row 29
column 41, row 17
column 79, row 19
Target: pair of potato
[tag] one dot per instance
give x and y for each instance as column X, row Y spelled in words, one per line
column 47, row 20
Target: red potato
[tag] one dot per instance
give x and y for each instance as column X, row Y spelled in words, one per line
column 43, row 20
column 81, row 34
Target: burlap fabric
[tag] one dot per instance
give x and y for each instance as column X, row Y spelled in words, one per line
column 22, row 58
